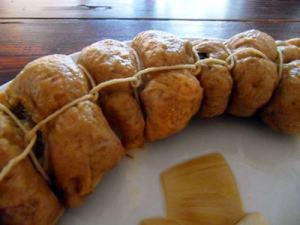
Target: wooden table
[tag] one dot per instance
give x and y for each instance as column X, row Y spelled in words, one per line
column 33, row 28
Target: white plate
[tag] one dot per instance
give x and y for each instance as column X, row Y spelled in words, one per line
column 266, row 165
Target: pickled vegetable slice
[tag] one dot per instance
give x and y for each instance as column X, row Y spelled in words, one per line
column 202, row 191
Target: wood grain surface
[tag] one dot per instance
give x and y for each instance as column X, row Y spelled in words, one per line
column 153, row 9
column 31, row 29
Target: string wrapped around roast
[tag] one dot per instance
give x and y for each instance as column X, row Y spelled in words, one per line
column 215, row 77
column 79, row 144
column 290, row 49
column 255, row 72
column 241, row 76
column 25, row 196
column 169, row 98
column 107, row 60
column 282, row 113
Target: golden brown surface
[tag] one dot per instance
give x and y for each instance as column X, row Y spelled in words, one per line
column 124, row 114
column 81, row 148
column 3, row 98
column 211, row 48
column 217, row 83
column 214, row 78
column 294, row 41
column 289, row 53
column 159, row 221
column 25, row 198
column 159, row 48
column 290, row 49
column 283, row 111
column 254, row 79
column 254, row 39
column 110, row 59
column 202, row 191
column 46, row 84
column 169, row 98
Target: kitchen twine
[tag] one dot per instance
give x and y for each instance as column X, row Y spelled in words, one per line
column 93, row 95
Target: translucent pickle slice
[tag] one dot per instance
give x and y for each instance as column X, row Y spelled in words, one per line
column 202, row 191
